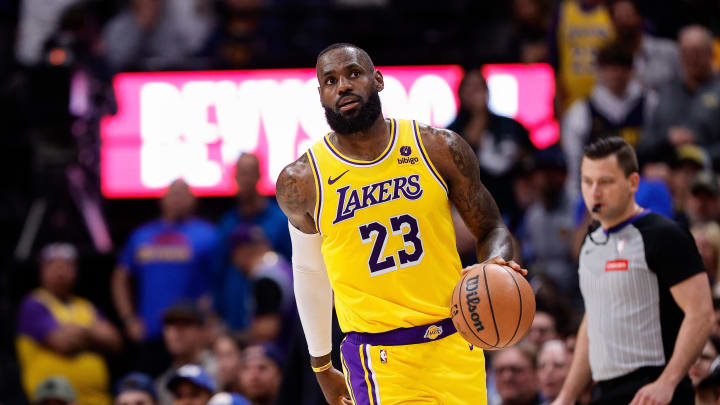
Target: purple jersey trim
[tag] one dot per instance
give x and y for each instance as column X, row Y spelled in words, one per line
column 35, row 319
column 358, row 163
column 405, row 336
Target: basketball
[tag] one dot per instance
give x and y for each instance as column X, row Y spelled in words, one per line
column 492, row 306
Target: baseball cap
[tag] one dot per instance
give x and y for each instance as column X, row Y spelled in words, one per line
column 226, row 398
column 184, row 312
column 58, row 251
column 694, row 154
column 55, row 387
column 136, row 382
column 194, row 374
column 713, row 378
column 269, row 350
column 705, row 182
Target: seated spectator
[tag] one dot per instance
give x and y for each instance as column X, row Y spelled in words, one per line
column 170, row 260
column 543, row 329
column 548, row 224
column 231, row 289
column 271, row 283
column 154, row 35
column 701, row 367
column 186, row 340
column 703, row 204
column 62, row 334
column 707, row 391
column 261, row 373
column 226, row 398
column 135, row 389
column 228, row 354
column 689, row 108
column 617, row 106
column 190, row 385
column 500, row 143
column 656, row 60
column 515, row 371
column 55, row 390
column 553, row 366
column 707, row 238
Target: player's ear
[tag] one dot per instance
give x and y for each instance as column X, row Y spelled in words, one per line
column 634, row 181
column 379, row 81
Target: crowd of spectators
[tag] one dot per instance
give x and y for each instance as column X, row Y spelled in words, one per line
column 101, row 304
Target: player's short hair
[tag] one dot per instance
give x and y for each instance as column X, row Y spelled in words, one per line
column 339, row 45
column 613, row 145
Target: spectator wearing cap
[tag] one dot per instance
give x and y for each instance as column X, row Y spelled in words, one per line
column 135, row 389
column 185, row 338
column 261, row 373
column 170, row 260
column 60, row 333
column 690, row 160
column 232, row 288
column 191, row 385
column 689, row 108
column 617, row 106
column 549, row 223
column 272, row 300
column 702, row 204
column 707, row 391
column 55, row 390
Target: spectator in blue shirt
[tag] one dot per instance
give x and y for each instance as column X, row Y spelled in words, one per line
column 232, row 288
column 170, row 260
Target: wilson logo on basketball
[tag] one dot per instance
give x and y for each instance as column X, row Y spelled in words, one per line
column 433, row 332
column 472, row 301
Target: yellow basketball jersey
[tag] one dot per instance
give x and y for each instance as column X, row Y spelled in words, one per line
column 581, row 33
column 387, row 235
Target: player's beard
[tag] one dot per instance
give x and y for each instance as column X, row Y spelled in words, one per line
column 369, row 112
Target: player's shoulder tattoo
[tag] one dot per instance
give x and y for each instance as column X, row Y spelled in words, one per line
column 449, row 147
column 295, row 187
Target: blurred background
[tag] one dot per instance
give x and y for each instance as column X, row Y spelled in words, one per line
column 138, row 228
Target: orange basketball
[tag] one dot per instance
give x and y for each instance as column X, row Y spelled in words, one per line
column 493, row 306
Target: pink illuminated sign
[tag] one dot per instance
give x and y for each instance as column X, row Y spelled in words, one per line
column 195, row 124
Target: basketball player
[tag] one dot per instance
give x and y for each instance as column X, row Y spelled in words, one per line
column 369, row 212
column 647, row 295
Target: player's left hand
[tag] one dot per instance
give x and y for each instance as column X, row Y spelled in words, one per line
column 499, row 260
column 655, row 393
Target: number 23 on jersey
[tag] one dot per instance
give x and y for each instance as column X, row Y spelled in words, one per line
column 404, row 225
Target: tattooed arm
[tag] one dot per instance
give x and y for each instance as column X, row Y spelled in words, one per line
column 458, row 166
column 295, row 192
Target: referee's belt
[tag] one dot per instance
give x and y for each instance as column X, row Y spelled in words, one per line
column 405, row 336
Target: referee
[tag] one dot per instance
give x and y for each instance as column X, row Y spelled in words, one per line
column 647, row 296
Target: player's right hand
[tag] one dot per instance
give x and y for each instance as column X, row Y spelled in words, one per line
column 332, row 383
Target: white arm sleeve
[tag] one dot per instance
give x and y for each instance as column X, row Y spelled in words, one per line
column 313, row 293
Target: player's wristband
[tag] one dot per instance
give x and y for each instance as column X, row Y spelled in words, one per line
column 322, row 368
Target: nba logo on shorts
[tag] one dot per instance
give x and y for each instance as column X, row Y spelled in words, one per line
column 433, row 332
column 405, row 151
column 383, row 356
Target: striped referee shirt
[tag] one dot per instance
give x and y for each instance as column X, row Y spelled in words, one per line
column 625, row 277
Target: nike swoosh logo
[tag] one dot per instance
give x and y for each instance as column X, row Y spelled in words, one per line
column 332, row 181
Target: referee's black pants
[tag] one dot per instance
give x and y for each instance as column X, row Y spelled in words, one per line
column 622, row 390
